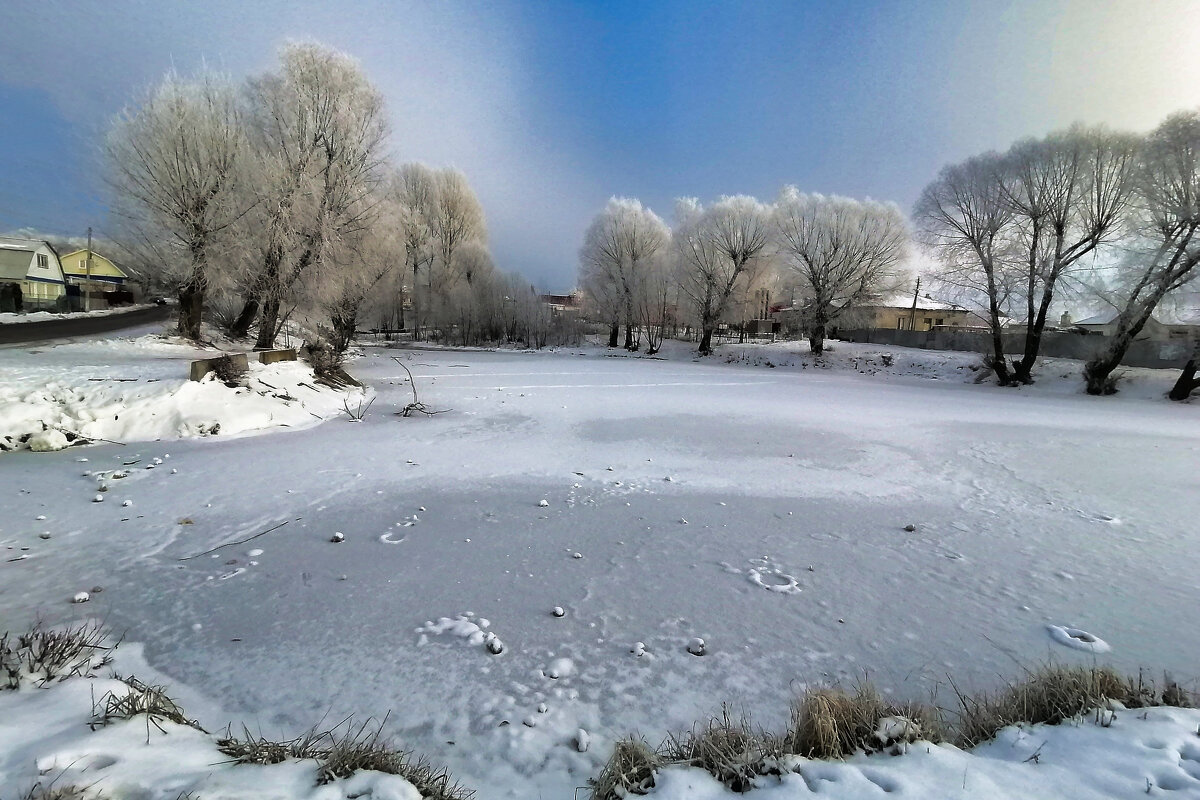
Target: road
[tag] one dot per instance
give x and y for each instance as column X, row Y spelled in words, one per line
column 80, row 326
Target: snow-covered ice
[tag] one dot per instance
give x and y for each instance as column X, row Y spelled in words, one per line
column 819, row 468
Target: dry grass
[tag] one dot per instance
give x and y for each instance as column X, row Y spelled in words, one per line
column 1053, row 694
column 151, row 702
column 48, row 655
column 728, row 748
column 70, row 791
column 343, row 750
column 833, row 723
column 629, row 770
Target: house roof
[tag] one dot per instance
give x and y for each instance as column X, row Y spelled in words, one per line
column 1103, row 318
column 905, row 300
column 14, row 262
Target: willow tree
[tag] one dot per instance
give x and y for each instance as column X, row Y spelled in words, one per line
column 175, row 163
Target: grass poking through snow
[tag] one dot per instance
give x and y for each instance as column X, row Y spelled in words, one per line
column 833, row 723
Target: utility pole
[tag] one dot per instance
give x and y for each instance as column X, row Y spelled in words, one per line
column 87, row 269
column 912, row 317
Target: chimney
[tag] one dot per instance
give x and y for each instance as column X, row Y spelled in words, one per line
column 1065, row 320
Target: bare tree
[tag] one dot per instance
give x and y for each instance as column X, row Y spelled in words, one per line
column 964, row 215
column 618, row 253
column 175, row 165
column 1069, row 193
column 1165, row 248
column 715, row 247
column 846, row 252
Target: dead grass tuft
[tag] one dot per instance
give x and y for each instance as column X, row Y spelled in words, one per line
column 66, row 792
column 834, row 723
column 629, row 770
column 1053, row 694
column 728, row 748
column 141, row 699
column 48, row 655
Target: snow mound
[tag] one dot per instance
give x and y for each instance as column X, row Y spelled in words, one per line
column 1078, row 639
column 130, row 390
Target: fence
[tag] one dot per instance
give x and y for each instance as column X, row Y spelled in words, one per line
column 1056, row 344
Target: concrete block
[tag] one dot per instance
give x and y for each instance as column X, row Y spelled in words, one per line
column 204, row 366
column 271, row 356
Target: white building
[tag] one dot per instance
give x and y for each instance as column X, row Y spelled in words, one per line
column 31, row 273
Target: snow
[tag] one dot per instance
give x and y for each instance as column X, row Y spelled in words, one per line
column 46, row 738
column 137, row 389
column 12, row 318
column 1031, row 507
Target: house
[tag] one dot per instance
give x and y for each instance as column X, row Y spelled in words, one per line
column 96, row 277
column 897, row 313
column 1155, row 329
column 561, row 303
column 31, row 277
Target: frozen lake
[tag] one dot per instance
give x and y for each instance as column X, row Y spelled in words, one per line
column 761, row 509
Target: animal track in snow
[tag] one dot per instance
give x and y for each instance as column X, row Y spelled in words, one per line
column 765, row 573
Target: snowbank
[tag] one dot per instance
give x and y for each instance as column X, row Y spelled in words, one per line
column 11, row 318
column 129, row 390
column 1131, row 755
column 46, row 739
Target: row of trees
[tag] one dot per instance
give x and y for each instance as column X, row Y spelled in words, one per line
column 718, row 259
column 1083, row 211
column 278, row 197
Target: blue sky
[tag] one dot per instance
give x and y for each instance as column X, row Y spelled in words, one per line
column 551, row 107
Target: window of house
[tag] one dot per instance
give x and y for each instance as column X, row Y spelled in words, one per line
column 43, row 262
column 941, row 321
column 928, row 323
column 900, row 323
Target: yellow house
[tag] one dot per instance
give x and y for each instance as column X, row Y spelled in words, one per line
column 898, row 313
column 94, row 279
column 103, row 273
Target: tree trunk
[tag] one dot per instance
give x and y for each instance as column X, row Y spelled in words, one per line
column 816, row 339
column 706, row 342
column 191, row 304
column 343, row 331
column 613, row 334
column 268, row 324
column 1023, row 369
column 629, row 337
column 1097, row 372
column 1187, row 382
column 241, row 326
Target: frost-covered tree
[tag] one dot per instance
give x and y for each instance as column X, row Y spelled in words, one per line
column 964, row 217
column 1069, row 194
column 845, row 252
column 318, row 129
column 175, row 165
column 618, row 257
column 715, row 247
column 1164, row 243
column 415, row 189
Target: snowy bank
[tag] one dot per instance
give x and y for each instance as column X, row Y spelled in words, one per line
column 129, row 390
column 1131, row 755
column 13, row 318
column 67, row 730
